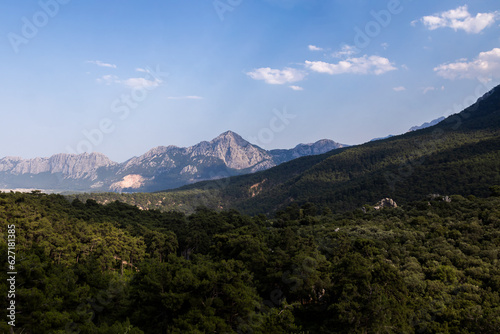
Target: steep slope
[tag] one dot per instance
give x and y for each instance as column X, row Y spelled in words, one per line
column 460, row 155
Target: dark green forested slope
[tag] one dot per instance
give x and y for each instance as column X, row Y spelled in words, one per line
column 431, row 266
column 461, row 155
column 216, row 194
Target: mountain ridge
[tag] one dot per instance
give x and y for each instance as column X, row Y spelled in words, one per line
column 427, row 124
column 416, row 127
column 73, row 165
column 459, row 155
column 161, row 167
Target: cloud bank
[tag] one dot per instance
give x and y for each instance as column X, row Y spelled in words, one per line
column 363, row 65
column 277, row 77
column 460, row 19
column 484, row 67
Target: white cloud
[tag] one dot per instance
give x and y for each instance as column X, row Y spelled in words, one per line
column 298, row 88
column 101, row 64
column 189, row 97
column 363, row 65
column 485, row 67
column 314, row 48
column 384, row 45
column 108, row 79
column 148, row 82
column 130, row 82
column 346, row 51
column 138, row 83
column 460, row 18
column 399, row 89
column 277, row 77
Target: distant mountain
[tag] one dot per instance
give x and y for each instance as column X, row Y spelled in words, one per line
column 59, row 172
column 73, row 166
column 415, row 128
column 459, row 155
column 428, row 124
column 158, row 169
column 302, row 150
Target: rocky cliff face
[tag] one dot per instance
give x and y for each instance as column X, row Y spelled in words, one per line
column 160, row 168
column 233, row 150
column 70, row 165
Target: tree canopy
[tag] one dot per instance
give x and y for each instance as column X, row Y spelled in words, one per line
column 430, row 266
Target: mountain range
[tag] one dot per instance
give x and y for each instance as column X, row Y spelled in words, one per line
column 459, row 155
column 417, row 127
column 159, row 169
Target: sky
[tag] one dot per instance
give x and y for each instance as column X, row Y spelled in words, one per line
column 122, row 77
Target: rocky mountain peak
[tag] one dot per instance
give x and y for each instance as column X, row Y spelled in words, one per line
column 162, row 167
column 232, row 149
column 156, row 151
column 230, row 137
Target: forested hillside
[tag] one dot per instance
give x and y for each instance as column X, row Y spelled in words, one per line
column 460, row 155
column 430, row 266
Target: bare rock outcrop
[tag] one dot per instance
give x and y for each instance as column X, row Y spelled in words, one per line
column 385, row 203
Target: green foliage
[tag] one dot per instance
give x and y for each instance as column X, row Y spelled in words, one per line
column 430, row 266
column 495, row 191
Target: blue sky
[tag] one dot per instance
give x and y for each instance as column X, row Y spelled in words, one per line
column 121, row 77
